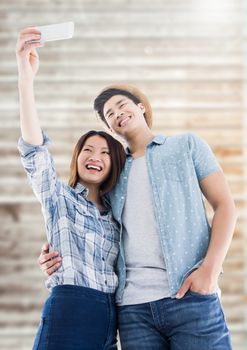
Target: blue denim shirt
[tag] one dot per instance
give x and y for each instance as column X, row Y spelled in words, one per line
column 175, row 165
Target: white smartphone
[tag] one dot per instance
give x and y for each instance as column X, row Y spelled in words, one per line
column 57, row 31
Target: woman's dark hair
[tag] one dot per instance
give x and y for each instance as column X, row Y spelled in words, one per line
column 104, row 96
column 117, row 155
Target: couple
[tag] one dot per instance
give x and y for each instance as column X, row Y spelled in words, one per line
column 136, row 251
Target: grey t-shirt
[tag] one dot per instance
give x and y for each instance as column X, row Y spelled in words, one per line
column 145, row 266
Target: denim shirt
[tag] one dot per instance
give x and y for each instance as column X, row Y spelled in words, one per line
column 175, row 165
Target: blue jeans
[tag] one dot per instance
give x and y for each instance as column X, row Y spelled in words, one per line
column 195, row 322
column 77, row 318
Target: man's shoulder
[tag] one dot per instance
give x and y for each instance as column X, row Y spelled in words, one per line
column 181, row 140
column 182, row 137
column 177, row 142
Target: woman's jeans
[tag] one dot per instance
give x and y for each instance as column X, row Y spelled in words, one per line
column 195, row 322
column 77, row 318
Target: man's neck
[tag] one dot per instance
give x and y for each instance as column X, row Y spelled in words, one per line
column 138, row 141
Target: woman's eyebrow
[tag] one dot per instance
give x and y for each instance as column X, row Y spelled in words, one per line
column 107, row 148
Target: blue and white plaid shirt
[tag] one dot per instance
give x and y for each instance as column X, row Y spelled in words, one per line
column 87, row 242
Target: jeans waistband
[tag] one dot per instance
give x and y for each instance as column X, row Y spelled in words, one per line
column 77, row 291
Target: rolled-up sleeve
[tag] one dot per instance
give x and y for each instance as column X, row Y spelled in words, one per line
column 204, row 160
column 42, row 177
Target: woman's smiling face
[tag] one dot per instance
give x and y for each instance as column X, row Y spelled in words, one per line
column 94, row 162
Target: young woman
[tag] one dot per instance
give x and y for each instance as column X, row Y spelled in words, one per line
column 80, row 311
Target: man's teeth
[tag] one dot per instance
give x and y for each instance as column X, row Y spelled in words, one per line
column 94, row 167
column 123, row 121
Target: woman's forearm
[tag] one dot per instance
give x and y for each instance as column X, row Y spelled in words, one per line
column 29, row 120
column 28, row 64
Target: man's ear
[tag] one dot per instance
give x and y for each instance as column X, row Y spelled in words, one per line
column 108, row 129
column 142, row 107
column 111, row 131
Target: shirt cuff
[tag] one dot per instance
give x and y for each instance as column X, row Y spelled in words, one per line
column 25, row 147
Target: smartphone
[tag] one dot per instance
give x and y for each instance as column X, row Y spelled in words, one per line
column 57, row 31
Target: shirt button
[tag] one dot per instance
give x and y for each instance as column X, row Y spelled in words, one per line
column 103, row 259
column 105, row 282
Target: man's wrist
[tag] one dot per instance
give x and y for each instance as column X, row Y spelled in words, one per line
column 213, row 268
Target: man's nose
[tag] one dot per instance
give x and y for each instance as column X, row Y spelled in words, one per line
column 120, row 114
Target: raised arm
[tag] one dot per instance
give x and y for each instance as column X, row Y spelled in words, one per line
column 35, row 156
column 28, row 64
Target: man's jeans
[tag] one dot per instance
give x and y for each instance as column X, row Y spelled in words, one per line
column 195, row 322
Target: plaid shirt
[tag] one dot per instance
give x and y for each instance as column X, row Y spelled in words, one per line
column 87, row 241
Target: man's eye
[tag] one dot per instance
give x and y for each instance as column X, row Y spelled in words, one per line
column 123, row 104
column 110, row 115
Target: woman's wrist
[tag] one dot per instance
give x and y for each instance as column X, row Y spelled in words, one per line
column 25, row 82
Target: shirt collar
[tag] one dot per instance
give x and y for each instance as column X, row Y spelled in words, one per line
column 106, row 201
column 79, row 188
column 158, row 139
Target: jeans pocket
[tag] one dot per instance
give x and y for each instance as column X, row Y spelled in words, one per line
column 199, row 295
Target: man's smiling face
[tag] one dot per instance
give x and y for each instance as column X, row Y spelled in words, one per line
column 122, row 114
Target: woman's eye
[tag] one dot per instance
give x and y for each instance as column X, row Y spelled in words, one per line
column 122, row 105
column 110, row 115
column 87, row 149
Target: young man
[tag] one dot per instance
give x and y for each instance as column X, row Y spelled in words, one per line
column 170, row 258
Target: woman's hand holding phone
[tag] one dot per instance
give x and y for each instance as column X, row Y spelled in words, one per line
column 26, row 53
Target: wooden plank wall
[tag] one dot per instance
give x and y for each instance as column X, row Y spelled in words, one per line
column 190, row 59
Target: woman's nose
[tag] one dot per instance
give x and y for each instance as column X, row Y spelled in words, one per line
column 94, row 158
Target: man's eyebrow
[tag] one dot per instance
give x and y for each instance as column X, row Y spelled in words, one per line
column 116, row 104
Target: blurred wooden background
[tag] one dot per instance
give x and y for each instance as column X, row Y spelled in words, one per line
column 189, row 57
